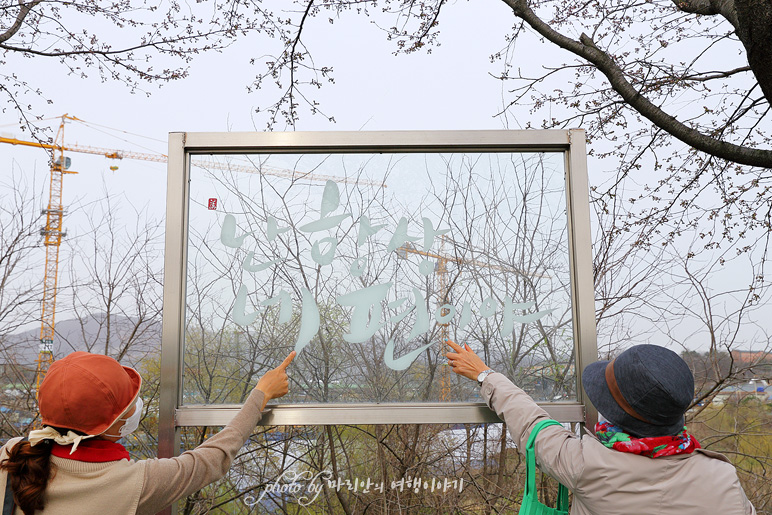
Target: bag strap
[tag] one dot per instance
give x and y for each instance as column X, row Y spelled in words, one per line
column 8, row 502
column 530, row 467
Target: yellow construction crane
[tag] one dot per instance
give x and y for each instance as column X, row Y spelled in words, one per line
column 442, row 269
column 444, row 290
column 161, row 158
column 53, row 232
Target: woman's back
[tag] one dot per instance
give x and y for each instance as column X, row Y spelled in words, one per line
column 608, row 482
column 113, row 487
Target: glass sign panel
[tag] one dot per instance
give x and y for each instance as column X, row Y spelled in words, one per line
column 366, row 263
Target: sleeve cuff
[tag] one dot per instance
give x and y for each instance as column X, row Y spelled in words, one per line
column 486, row 390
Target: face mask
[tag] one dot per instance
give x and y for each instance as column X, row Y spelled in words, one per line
column 132, row 423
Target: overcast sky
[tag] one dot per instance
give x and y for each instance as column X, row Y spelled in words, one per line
column 451, row 88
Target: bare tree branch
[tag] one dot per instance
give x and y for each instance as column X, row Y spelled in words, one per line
column 587, row 49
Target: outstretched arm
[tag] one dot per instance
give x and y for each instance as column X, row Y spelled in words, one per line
column 558, row 451
column 167, row 480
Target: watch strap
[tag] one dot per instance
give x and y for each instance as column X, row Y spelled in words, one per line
column 481, row 377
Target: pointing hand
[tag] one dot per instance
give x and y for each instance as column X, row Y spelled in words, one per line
column 464, row 361
column 274, row 383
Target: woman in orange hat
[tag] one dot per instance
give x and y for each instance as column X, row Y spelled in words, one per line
column 76, row 465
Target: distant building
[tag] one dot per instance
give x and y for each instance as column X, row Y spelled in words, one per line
column 749, row 357
column 758, row 388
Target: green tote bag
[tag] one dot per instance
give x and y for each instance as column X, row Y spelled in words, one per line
column 531, row 504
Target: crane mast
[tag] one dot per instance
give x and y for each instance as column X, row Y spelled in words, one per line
column 442, row 270
column 444, row 291
column 52, row 234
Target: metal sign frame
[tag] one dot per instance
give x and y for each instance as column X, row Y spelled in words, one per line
column 182, row 145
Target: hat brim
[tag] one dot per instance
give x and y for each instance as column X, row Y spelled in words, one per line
column 136, row 382
column 594, row 383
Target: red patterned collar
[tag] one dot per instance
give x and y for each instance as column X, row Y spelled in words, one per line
column 92, row 451
column 653, row 446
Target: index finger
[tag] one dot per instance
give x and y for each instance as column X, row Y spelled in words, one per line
column 287, row 360
column 454, row 345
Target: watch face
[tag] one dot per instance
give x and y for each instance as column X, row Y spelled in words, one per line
column 483, row 375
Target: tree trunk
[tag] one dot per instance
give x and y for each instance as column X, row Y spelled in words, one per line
column 754, row 28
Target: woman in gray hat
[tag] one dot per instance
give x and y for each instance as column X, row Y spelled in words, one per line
column 640, row 459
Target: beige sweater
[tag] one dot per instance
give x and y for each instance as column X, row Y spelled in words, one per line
column 144, row 487
column 608, row 482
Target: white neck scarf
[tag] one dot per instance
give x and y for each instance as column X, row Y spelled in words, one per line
column 49, row 433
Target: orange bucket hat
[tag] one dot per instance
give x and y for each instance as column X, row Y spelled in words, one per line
column 87, row 392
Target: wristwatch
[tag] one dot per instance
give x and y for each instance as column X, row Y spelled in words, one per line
column 483, row 375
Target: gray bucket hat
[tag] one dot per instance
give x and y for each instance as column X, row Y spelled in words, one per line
column 645, row 390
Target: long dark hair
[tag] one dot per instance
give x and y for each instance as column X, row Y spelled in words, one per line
column 30, row 470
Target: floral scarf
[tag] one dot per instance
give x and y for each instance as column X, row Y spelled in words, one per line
column 653, row 447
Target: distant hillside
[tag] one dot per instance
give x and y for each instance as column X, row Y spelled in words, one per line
column 129, row 340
